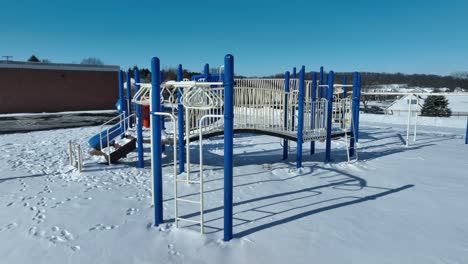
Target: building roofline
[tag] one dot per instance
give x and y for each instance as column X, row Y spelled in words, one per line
column 56, row 66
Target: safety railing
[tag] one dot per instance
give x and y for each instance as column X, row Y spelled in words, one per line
column 75, row 155
column 124, row 124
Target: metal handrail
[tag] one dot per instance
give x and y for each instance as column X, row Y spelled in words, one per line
column 126, row 124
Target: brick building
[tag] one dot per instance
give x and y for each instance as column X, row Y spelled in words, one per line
column 32, row 87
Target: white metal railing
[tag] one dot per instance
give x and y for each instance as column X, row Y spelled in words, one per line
column 258, row 104
column 123, row 121
column 342, row 112
column 142, row 97
column 75, row 155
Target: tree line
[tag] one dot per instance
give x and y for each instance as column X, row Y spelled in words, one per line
column 370, row 79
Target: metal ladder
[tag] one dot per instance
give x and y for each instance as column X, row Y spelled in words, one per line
column 188, row 180
column 177, row 199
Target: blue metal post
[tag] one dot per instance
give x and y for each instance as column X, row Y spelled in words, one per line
column 286, row 96
column 206, row 72
column 320, row 91
column 329, row 116
column 180, row 120
column 228, row 144
column 139, row 124
column 313, row 109
column 121, row 98
column 300, row 119
column 293, row 106
column 466, row 135
column 156, row 140
column 354, row 106
column 129, row 98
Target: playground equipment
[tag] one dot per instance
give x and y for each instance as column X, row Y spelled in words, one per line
column 293, row 109
column 75, row 156
column 211, row 104
column 115, row 142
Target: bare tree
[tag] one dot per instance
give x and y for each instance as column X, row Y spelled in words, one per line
column 460, row 75
column 92, row 61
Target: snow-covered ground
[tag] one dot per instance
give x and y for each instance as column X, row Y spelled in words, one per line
column 425, row 121
column 396, row 204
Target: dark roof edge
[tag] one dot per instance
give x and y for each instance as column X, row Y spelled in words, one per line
column 56, row 66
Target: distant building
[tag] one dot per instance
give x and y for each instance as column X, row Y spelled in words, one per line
column 31, row 87
column 459, row 90
column 458, row 105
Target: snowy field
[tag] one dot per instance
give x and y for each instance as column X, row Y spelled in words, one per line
column 396, row 204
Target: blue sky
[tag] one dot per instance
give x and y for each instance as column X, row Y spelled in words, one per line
column 265, row 37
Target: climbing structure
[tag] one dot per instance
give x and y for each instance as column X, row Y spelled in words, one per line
column 291, row 108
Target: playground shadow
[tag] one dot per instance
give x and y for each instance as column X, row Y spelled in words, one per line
column 269, row 206
column 355, row 200
column 22, row 177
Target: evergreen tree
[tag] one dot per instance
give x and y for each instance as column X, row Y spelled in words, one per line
column 33, row 58
column 436, row 105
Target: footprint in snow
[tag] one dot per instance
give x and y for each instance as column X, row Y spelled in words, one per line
column 35, row 231
column 132, row 211
column 75, row 248
column 67, row 235
column 8, row 227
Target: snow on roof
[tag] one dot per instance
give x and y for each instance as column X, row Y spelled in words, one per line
column 456, row 103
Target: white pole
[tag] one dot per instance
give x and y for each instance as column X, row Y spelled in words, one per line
column 70, row 153
column 409, row 119
column 152, row 120
column 416, row 119
column 187, row 142
column 80, row 159
column 201, row 175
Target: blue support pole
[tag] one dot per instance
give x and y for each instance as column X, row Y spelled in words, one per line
column 300, row 119
column 228, row 144
column 313, row 109
column 293, row 112
column 329, row 116
column 180, row 121
column 354, row 106
column 156, row 148
column 206, row 72
column 286, row 96
column 121, row 98
column 129, row 98
column 320, row 91
column 466, row 135
column 139, row 124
